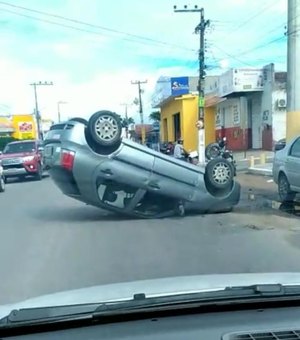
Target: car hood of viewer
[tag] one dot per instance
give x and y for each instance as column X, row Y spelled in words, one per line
column 152, row 288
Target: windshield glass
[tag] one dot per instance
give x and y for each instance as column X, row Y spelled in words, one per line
column 170, row 136
column 19, row 147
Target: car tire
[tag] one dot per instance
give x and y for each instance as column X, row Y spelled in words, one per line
column 2, row 184
column 284, row 189
column 105, row 128
column 212, row 151
column 219, row 173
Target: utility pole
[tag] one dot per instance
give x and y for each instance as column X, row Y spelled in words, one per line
column 126, row 118
column 200, row 29
column 293, row 70
column 58, row 110
column 37, row 113
column 138, row 83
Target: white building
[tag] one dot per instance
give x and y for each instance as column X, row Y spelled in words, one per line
column 252, row 114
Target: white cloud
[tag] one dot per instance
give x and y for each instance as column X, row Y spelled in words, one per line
column 93, row 72
column 224, row 63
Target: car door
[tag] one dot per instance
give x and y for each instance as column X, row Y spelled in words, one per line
column 293, row 165
column 175, row 178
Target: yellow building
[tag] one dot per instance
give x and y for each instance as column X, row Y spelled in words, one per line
column 24, row 126
column 179, row 116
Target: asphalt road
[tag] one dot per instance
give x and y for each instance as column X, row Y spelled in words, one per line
column 49, row 242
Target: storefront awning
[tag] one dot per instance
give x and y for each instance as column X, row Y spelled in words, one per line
column 213, row 100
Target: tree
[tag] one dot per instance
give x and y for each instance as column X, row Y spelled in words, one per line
column 155, row 116
column 126, row 121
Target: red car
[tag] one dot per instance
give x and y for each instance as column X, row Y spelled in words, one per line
column 22, row 159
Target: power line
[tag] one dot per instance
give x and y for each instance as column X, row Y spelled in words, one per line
column 251, row 18
column 236, row 56
column 231, row 56
column 261, row 46
column 50, row 22
column 80, row 22
column 264, row 9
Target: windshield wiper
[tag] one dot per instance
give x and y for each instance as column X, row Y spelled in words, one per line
column 141, row 303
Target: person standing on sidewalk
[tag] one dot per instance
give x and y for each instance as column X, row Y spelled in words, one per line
column 179, row 151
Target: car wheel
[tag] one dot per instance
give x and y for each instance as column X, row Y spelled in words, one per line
column 219, row 173
column 212, row 151
column 2, row 184
column 284, row 190
column 105, row 128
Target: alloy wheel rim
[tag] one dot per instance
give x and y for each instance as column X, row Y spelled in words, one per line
column 106, row 128
column 283, row 187
column 221, row 173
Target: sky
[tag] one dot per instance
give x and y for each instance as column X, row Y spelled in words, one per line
column 93, row 49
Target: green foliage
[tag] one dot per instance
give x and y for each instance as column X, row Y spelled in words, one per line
column 5, row 140
column 126, row 122
column 155, row 116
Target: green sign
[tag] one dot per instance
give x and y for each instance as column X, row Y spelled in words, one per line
column 201, row 102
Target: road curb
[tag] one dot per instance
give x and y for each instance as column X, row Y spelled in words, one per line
column 288, row 207
column 260, row 171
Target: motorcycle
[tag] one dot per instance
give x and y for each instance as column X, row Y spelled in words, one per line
column 219, row 149
column 167, row 149
column 191, row 157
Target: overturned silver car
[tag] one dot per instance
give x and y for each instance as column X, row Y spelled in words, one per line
column 89, row 161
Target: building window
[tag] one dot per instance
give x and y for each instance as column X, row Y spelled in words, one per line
column 265, row 116
column 295, row 149
column 236, row 115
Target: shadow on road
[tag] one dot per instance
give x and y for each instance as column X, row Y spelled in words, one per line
column 292, row 208
column 16, row 180
column 78, row 214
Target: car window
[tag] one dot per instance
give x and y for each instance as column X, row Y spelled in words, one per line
column 116, row 194
column 295, row 149
column 153, row 203
column 20, row 147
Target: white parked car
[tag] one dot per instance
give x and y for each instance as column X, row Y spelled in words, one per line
column 286, row 170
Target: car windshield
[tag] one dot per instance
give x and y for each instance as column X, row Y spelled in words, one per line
column 142, row 140
column 19, row 147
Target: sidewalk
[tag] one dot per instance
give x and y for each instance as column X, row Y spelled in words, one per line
column 261, row 169
column 246, row 155
column 258, row 162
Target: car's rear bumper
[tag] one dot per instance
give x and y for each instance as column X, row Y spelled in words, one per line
column 64, row 179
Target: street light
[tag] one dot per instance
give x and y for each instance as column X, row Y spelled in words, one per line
column 58, row 109
column 37, row 114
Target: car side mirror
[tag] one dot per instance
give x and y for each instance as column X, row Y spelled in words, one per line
column 40, row 149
